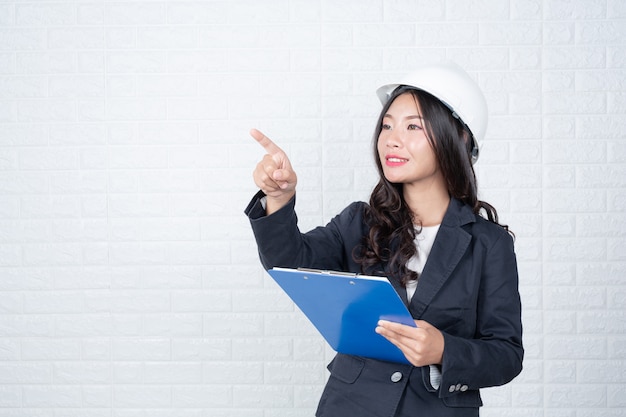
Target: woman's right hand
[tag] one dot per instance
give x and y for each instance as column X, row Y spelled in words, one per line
column 274, row 174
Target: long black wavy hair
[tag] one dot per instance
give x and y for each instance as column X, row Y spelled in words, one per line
column 392, row 227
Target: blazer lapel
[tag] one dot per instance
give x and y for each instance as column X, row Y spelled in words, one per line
column 401, row 290
column 448, row 249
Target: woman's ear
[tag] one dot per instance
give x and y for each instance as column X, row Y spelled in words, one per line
column 466, row 135
column 470, row 145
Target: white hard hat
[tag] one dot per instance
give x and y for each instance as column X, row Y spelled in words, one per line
column 453, row 87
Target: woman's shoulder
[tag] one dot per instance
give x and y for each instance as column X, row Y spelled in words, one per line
column 461, row 214
column 488, row 226
column 354, row 210
column 351, row 217
column 357, row 206
column 490, row 233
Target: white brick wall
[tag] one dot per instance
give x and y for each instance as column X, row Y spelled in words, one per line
column 129, row 279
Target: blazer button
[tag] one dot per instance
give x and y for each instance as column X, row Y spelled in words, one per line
column 452, row 388
column 396, row 377
column 464, row 388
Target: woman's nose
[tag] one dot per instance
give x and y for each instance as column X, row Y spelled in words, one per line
column 393, row 140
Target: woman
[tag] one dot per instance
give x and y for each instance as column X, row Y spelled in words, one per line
column 423, row 229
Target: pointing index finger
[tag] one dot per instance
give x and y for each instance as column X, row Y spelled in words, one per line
column 265, row 142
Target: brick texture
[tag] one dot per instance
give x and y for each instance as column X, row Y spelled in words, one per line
column 129, row 278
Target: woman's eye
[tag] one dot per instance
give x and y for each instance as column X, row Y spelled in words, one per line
column 414, row 127
column 386, row 126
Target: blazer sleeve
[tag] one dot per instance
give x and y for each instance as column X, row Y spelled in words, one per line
column 494, row 356
column 281, row 244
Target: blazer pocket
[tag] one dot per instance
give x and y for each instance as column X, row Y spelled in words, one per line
column 453, row 320
column 346, row 368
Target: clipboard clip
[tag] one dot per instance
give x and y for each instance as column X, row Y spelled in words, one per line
column 328, row 272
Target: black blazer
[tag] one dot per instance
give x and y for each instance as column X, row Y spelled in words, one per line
column 468, row 290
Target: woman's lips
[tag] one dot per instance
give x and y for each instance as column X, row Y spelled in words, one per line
column 394, row 161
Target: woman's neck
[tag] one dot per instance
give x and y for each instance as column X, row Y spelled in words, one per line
column 428, row 207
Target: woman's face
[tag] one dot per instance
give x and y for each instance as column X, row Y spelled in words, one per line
column 405, row 152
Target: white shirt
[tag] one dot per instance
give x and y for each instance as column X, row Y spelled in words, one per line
column 424, row 242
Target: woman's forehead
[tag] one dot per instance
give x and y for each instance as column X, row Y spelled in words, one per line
column 406, row 103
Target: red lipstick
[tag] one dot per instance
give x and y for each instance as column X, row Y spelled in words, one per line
column 395, row 161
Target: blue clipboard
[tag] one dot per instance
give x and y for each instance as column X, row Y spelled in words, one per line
column 345, row 309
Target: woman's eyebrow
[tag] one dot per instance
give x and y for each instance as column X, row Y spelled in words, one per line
column 414, row 116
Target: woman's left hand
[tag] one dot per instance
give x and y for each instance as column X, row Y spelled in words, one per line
column 422, row 345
